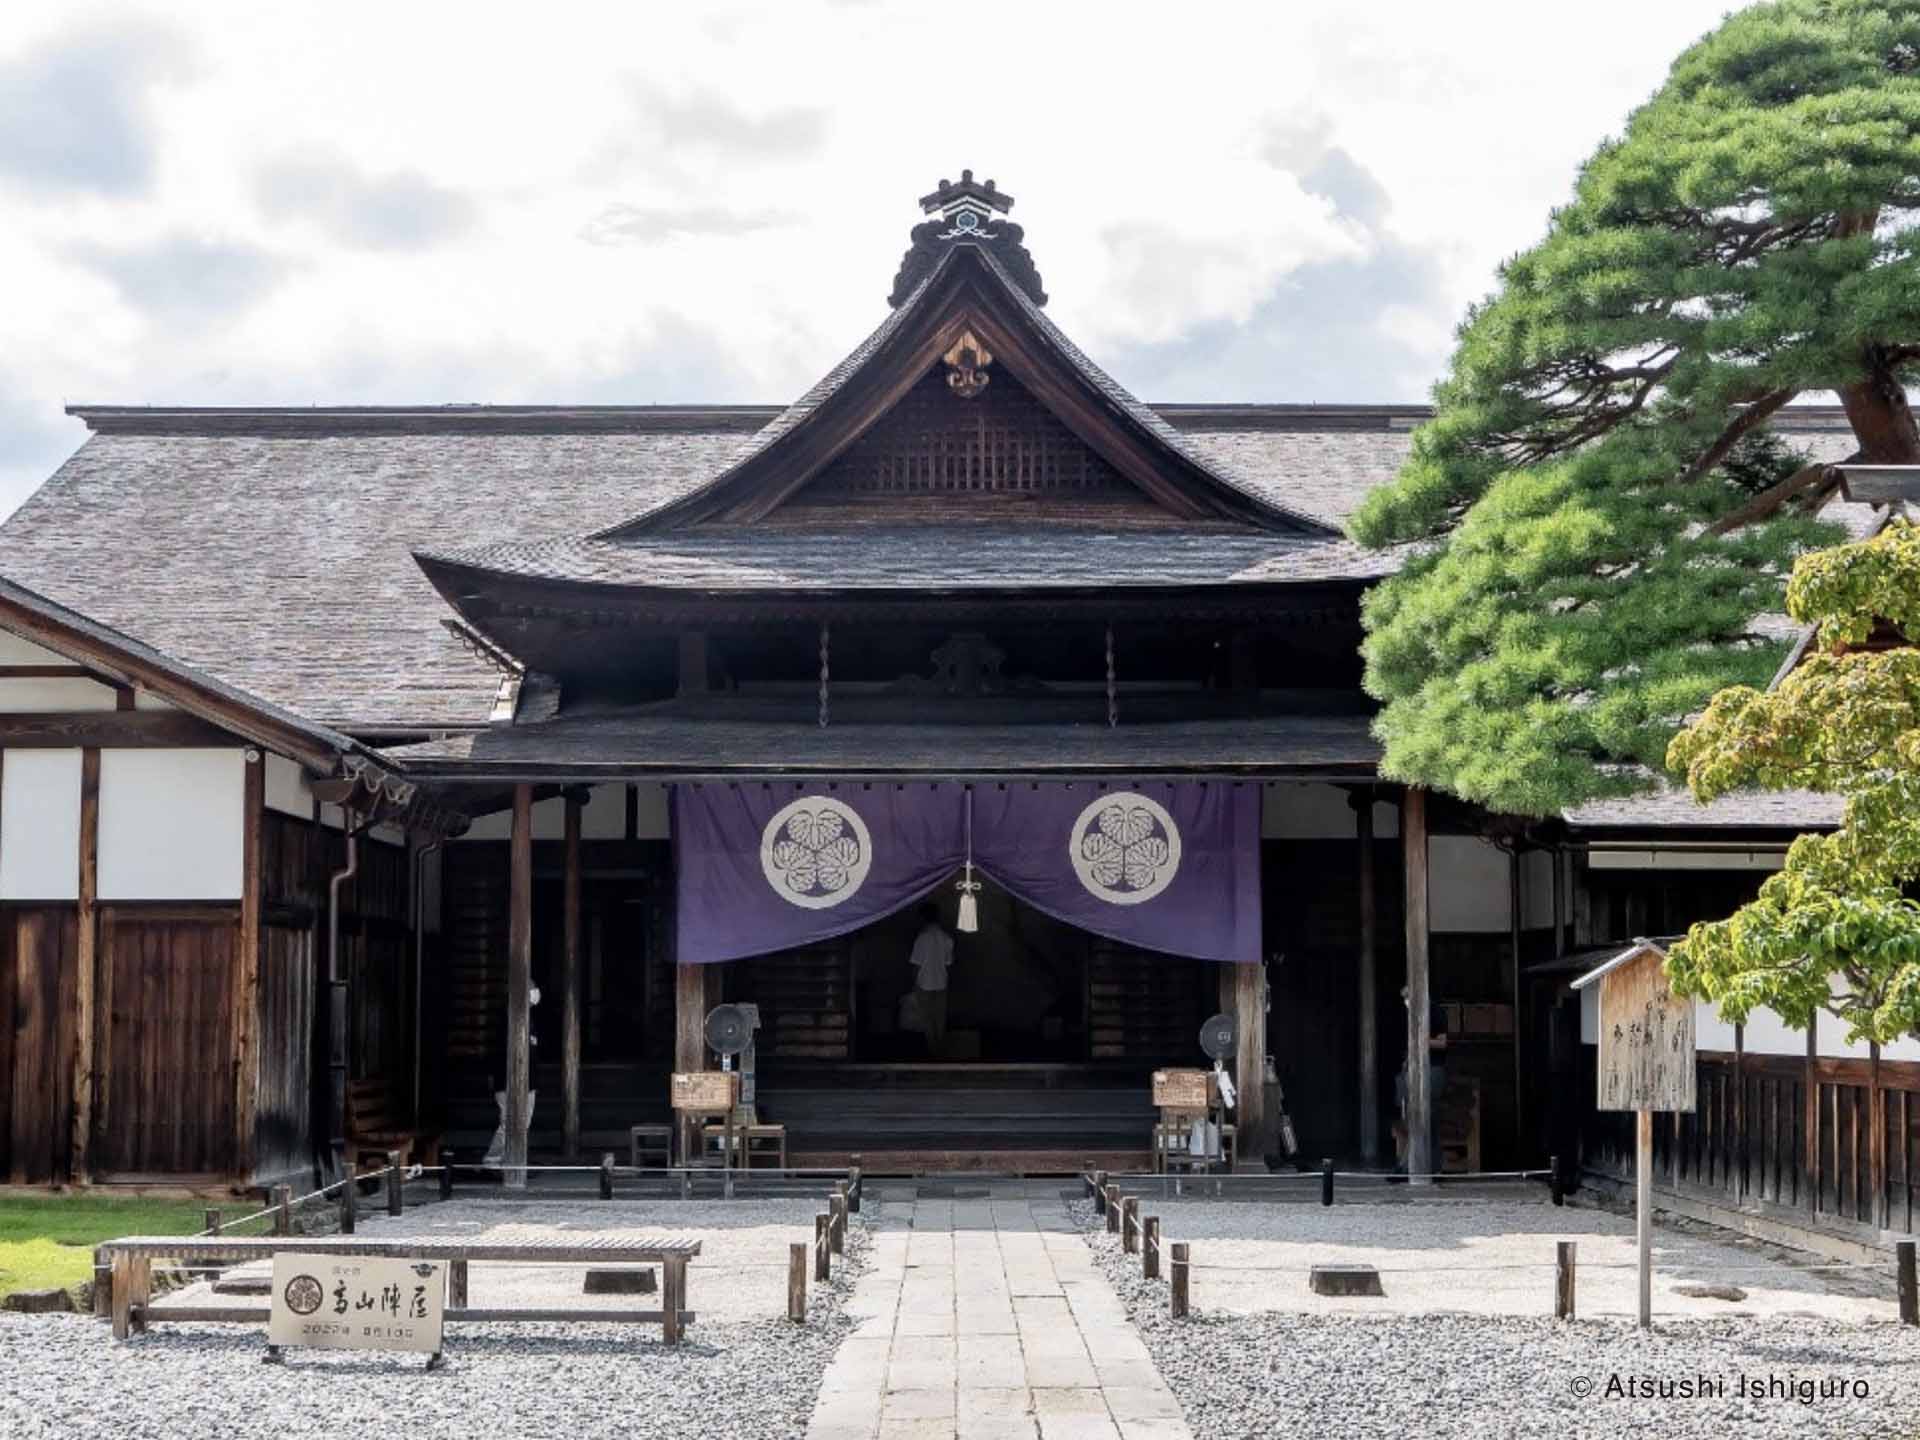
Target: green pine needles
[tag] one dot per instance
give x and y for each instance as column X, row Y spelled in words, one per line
column 1597, row 511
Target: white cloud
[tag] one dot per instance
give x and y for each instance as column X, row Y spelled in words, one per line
column 313, row 203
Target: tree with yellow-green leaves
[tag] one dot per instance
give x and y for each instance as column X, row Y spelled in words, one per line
column 1837, row 928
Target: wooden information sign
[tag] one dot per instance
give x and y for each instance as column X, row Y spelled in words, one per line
column 1182, row 1089
column 357, row 1302
column 1646, row 1064
column 710, row 1091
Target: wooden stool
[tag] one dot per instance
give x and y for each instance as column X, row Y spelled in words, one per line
column 722, row 1145
column 651, row 1143
column 762, row 1143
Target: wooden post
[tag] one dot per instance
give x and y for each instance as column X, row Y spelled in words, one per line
column 797, row 1282
column 853, row 1189
column 1643, row 1210
column 139, row 1291
column 519, row 984
column 673, row 1296
column 1113, row 1209
column 1369, row 1057
column 822, row 1248
column 86, row 969
column 396, row 1184
column 606, row 1176
column 1906, row 1282
column 214, row 1220
column 1130, row 1225
column 570, row 986
column 1563, row 1280
column 1179, row 1279
column 1243, row 995
column 246, row 967
column 1877, row 1140
column 122, row 1297
column 689, row 1045
column 1099, row 1192
column 1419, row 1118
column 1150, row 1248
column 446, row 1174
column 102, row 1285
column 457, row 1284
column 1326, row 1180
column 283, row 1210
column 348, row 1186
column 1515, row 919
column 837, row 1224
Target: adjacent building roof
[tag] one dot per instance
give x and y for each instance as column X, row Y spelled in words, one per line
column 1671, row 807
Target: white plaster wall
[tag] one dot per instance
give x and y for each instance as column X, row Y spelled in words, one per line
column 287, row 788
column 652, row 807
column 1467, row 885
column 171, row 824
column 1767, row 1034
column 1710, row 1032
column 16, row 651
column 40, row 825
column 1589, row 1015
column 60, row 693
column 147, row 700
column 605, row 815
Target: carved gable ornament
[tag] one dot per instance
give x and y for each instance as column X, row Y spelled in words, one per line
column 967, row 364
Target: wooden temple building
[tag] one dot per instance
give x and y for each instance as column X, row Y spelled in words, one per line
column 346, row 757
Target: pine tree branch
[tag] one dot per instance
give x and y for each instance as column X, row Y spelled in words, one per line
column 1819, row 478
column 1754, row 414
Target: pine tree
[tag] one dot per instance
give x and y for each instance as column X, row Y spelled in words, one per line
column 1836, row 929
column 1597, row 511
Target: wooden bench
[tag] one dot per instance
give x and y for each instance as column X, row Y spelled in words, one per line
column 131, row 1267
column 372, row 1130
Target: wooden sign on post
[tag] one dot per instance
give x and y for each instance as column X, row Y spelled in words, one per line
column 1646, row 1064
column 357, row 1302
column 710, row 1091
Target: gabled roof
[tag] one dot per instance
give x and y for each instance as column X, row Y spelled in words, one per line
column 968, row 291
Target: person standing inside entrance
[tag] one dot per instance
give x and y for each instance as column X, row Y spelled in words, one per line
column 931, row 959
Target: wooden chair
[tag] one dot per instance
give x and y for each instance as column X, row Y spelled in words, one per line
column 373, row 1132
column 651, row 1147
column 760, row 1144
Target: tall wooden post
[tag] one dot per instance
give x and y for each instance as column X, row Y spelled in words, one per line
column 246, row 968
column 1413, row 841
column 689, row 1041
column 570, row 987
column 519, row 984
column 1369, row 982
column 1243, row 995
column 86, row 1057
column 1515, row 919
column 1643, row 1210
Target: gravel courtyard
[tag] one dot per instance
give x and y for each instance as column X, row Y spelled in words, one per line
column 63, row 1376
column 1260, row 1355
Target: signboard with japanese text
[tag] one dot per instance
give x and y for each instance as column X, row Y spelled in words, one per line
column 1646, row 1038
column 357, row 1302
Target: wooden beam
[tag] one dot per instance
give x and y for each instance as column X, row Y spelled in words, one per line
column 86, row 973
column 1413, row 842
column 1243, row 994
column 246, row 968
column 693, row 662
column 570, row 986
column 1369, row 981
column 519, row 984
column 111, row 729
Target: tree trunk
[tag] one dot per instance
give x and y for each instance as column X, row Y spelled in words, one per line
column 1881, row 418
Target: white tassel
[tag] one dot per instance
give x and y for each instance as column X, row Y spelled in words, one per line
column 969, row 920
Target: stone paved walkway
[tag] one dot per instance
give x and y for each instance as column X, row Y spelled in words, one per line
column 985, row 1319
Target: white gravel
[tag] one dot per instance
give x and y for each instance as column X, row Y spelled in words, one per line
column 745, row 1369
column 1447, row 1374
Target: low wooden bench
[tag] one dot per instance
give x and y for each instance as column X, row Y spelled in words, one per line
column 372, row 1130
column 131, row 1260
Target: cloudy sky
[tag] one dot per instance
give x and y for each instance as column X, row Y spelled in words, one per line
column 637, row 203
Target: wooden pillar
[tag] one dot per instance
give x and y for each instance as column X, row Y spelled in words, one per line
column 1643, row 1210
column 1811, row 1139
column 1515, row 919
column 86, row 969
column 689, row 1041
column 246, row 969
column 1243, row 995
column 1413, row 841
column 519, row 983
column 570, row 987
column 1369, row 1057
column 1876, row 1140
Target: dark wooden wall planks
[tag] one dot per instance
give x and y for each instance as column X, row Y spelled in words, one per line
column 38, row 959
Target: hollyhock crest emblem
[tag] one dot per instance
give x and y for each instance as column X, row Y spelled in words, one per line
column 1125, row 848
column 815, row 852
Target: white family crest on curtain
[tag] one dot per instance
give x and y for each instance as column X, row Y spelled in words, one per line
column 1125, row 848
column 816, row 852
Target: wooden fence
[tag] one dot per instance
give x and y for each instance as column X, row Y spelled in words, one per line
column 1829, row 1143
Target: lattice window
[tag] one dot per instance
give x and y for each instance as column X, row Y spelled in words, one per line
column 1001, row 441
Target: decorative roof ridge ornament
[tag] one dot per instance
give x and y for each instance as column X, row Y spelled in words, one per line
column 967, row 364
column 966, row 212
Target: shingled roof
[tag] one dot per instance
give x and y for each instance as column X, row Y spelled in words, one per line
column 272, row 548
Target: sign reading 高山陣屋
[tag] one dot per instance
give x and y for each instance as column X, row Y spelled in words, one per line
column 357, row 1302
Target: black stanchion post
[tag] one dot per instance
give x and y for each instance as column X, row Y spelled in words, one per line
column 1553, row 1180
column 606, row 1176
column 396, row 1184
column 348, row 1188
column 1908, row 1285
column 1150, row 1248
column 446, row 1175
column 1326, row 1181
